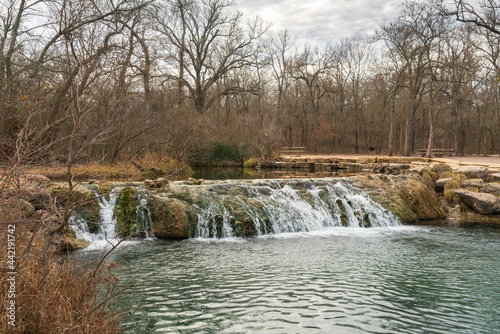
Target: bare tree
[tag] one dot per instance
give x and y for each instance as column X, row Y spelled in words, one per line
column 218, row 45
column 483, row 13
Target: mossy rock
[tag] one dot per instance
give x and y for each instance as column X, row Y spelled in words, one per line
column 250, row 163
column 249, row 228
column 406, row 196
column 125, row 212
column 422, row 200
column 82, row 201
column 172, row 217
column 67, row 242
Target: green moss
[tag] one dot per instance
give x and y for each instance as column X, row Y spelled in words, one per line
column 453, row 184
column 149, row 175
column 452, row 197
column 250, row 163
column 463, row 207
column 343, row 214
column 474, row 189
column 447, row 175
column 428, row 180
column 125, row 212
column 454, row 176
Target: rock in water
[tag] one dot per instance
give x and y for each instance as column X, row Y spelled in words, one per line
column 486, row 204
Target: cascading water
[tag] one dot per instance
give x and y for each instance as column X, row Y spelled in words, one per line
column 144, row 223
column 278, row 206
column 107, row 223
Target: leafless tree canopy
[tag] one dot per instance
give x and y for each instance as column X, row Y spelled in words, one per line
column 106, row 80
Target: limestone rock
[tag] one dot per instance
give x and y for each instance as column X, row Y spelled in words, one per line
column 472, row 183
column 192, row 181
column 38, row 197
column 441, row 168
column 36, row 179
column 441, row 182
column 158, row 183
column 171, row 217
column 417, row 169
column 474, row 172
column 486, row 204
column 82, row 200
column 64, row 243
column 366, row 160
column 396, row 168
column 492, row 188
column 494, row 177
column 407, row 196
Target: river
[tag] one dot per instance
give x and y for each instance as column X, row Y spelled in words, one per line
column 400, row 279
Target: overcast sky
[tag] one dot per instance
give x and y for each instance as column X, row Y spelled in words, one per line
column 322, row 21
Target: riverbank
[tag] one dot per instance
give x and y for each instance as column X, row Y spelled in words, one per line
column 358, row 162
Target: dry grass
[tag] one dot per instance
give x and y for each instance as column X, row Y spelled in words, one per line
column 118, row 172
column 54, row 293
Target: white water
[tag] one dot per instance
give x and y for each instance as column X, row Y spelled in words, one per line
column 106, row 235
column 294, row 207
column 143, row 217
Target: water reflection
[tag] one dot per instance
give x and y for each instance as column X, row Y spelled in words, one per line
column 237, row 173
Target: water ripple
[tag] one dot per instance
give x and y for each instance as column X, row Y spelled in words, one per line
column 394, row 280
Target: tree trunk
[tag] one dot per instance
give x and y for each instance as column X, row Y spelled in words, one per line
column 391, row 127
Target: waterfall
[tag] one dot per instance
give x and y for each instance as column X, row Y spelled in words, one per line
column 106, row 233
column 144, row 223
column 284, row 206
column 107, row 224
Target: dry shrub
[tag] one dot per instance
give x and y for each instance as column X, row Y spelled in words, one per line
column 54, row 293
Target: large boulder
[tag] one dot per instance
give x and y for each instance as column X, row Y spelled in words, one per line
column 441, row 168
column 487, row 204
column 472, row 183
column 39, row 197
column 495, row 177
column 82, row 201
column 474, row 172
column 172, row 217
column 492, row 188
column 407, row 196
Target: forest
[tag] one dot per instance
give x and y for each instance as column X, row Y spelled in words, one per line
column 193, row 81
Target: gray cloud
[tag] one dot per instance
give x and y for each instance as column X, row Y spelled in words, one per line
column 322, row 21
